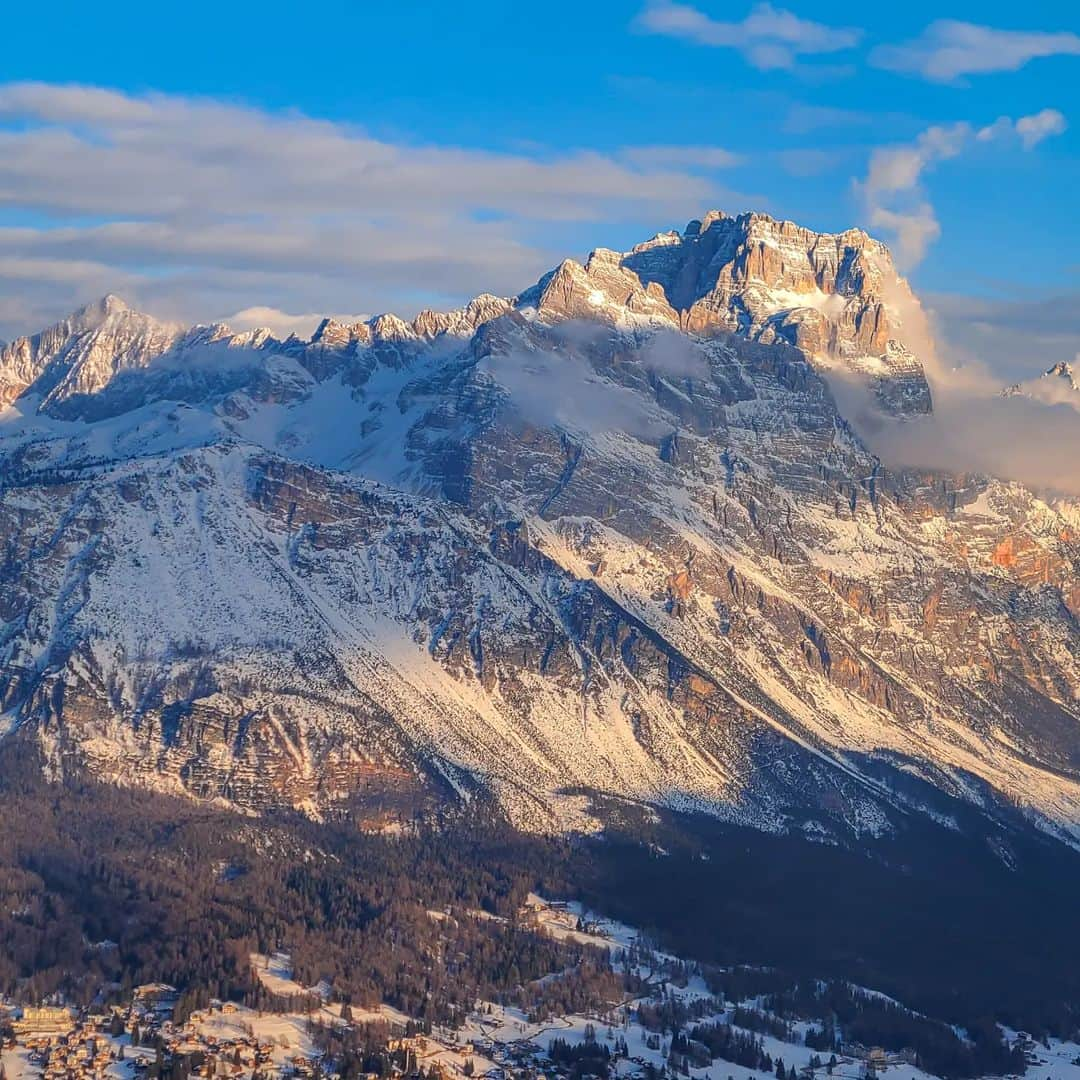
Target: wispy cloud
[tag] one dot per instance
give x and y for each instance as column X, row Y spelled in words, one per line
column 769, row 38
column 1015, row 337
column 681, row 157
column 948, row 49
column 897, row 171
column 207, row 207
column 893, row 192
column 1033, row 439
column 810, row 161
column 802, row 118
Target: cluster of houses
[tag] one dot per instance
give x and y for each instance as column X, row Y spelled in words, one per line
column 140, row 1042
column 63, row 1045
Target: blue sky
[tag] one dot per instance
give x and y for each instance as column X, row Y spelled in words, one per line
column 791, row 108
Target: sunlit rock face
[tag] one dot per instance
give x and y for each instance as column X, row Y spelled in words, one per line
column 836, row 297
column 611, row 537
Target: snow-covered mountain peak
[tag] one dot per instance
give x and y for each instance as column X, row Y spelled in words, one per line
column 92, row 314
column 81, row 354
column 836, row 297
column 110, row 303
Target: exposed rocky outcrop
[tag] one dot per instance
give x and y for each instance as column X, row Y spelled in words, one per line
column 837, row 297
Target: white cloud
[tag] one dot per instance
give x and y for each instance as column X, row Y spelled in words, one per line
column 560, row 388
column 1030, row 130
column 204, row 208
column 913, row 230
column 893, row 193
column 949, row 49
column 898, row 168
column 281, row 323
column 971, row 349
column 769, row 38
column 1033, row 129
column 973, row 429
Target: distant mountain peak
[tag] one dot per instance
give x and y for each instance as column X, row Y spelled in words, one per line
column 98, row 310
column 111, row 303
column 1057, row 385
column 1062, row 370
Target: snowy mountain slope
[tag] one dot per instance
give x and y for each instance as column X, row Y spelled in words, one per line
column 536, row 551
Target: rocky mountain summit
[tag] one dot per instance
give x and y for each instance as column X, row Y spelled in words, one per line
column 606, row 543
column 836, row 297
column 83, row 352
column 1058, row 385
